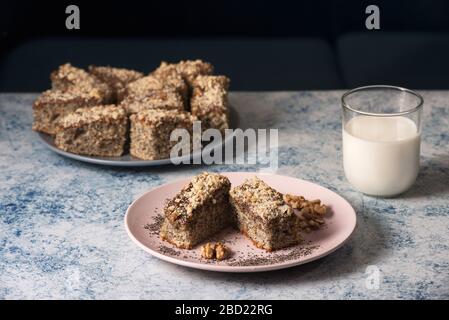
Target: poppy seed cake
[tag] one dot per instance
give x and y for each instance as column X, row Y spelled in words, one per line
column 198, row 211
column 263, row 216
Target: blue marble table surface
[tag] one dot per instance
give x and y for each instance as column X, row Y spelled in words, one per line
column 61, row 221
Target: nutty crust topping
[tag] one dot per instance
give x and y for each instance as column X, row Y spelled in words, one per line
column 116, row 78
column 157, row 99
column 268, row 203
column 157, row 117
column 194, row 194
column 188, row 69
column 70, row 78
column 215, row 83
column 82, row 116
column 148, row 84
column 54, row 98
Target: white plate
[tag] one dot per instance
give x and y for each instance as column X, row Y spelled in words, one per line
column 142, row 227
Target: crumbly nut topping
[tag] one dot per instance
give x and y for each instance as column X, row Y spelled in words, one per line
column 84, row 116
column 58, row 97
column 156, row 99
column 166, row 70
column 311, row 213
column 212, row 83
column 70, row 74
column 67, row 75
column 216, row 251
column 117, row 78
column 267, row 203
column 188, row 69
column 70, row 78
column 197, row 192
column 156, row 117
column 146, row 85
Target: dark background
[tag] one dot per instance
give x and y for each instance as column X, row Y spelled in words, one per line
column 261, row 45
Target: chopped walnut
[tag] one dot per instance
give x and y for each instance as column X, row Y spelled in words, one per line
column 208, row 251
column 216, row 251
column 221, row 251
column 311, row 213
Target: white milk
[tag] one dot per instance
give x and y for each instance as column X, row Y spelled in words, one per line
column 381, row 154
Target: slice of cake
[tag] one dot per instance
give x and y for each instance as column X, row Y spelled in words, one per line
column 69, row 78
column 115, row 78
column 96, row 131
column 198, row 211
column 209, row 102
column 151, row 129
column 157, row 99
column 51, row 105
column 263, row 216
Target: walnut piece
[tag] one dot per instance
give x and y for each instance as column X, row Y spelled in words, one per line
column 221, row 251
column 216, row 251
column 208, row 251
column 311, row 213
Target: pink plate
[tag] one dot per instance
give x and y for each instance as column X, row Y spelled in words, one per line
column 142, row 221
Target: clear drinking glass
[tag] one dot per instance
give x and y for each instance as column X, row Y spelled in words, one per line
column 381, row 138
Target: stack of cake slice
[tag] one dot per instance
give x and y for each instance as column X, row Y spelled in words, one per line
column 154, row 105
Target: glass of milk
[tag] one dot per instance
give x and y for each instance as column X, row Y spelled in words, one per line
column 381, row 138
